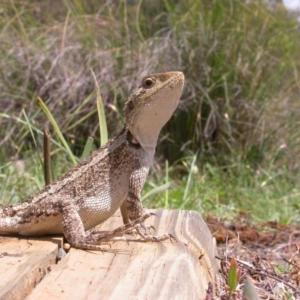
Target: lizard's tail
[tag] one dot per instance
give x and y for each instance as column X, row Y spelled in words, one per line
column 9, row 226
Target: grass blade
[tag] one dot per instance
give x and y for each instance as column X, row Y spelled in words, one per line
column 87, row 148
column 233, row 275
column 189, row 180
column 30, row 128
column 101, row 114
column 47, row 112
column 156, row 190
column 47, row 157
column 167, row 181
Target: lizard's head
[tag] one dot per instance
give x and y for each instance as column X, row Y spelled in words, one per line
column 150, row 107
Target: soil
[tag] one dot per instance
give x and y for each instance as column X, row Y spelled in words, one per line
column 267, row 257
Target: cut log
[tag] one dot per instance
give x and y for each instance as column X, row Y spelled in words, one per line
column 24, row 263
column 137, row 270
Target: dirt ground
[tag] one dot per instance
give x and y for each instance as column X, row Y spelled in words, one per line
column 267, row 256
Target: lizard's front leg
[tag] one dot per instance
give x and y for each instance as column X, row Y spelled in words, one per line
column 132, row 209
column 78, row 237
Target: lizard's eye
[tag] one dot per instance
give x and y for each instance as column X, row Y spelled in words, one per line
column 148, row 83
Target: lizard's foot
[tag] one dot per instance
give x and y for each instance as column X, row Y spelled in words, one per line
column 143, row 231
column 78, row 237
column 134, row 231
column 116, row 234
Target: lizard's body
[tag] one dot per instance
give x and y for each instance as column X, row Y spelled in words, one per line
column 111, row 177
column 83, row 181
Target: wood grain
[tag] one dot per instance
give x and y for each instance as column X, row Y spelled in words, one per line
column 24, row 263
column 178, row 270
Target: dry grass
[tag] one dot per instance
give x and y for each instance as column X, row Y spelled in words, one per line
column 239, row 112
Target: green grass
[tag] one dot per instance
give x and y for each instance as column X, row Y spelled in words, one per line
column 234, row 140
column 225, row 192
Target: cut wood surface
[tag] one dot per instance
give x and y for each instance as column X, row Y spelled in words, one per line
column 23, row 263
column 135, row 270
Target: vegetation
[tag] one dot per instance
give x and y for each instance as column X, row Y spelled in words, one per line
column 232, row 144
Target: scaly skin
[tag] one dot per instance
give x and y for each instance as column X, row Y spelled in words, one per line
column 112, row 177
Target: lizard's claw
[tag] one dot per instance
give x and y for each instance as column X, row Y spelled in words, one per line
column 171, row 236
column 146, row 228
column 151, row 227
column 131, row 231
column 143, row 232
column 134, row 231
column 152, row 214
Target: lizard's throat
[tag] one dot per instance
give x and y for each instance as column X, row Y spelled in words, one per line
column 148, row 145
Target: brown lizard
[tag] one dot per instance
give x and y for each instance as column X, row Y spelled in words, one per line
column 111, row 177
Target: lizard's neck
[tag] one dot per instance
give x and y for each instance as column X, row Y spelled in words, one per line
column 148, row 148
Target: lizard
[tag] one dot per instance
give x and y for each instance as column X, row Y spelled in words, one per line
column 112, row 177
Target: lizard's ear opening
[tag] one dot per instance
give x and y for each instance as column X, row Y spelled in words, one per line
column 148, row 83
column 130, row 105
